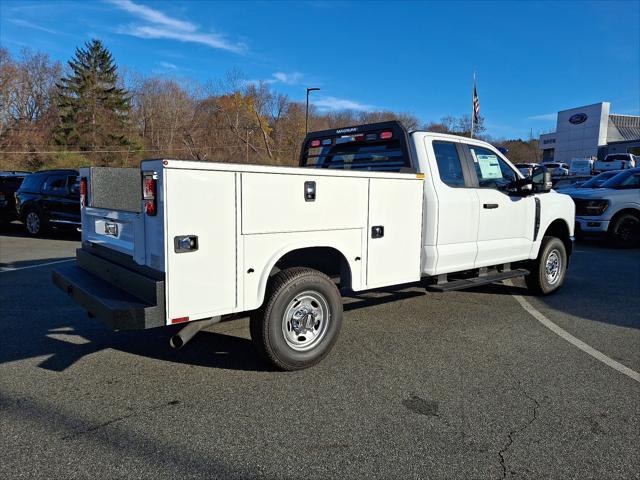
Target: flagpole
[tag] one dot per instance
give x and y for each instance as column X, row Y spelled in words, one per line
column 473, row 111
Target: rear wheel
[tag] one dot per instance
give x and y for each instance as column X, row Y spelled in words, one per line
column 549, row 269
column 34, row 223
column 624, row 231
column 300, row 320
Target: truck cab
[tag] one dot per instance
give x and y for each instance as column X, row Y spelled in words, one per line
column 478, row 209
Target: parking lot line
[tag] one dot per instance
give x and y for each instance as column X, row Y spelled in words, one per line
column 10, row 269
column 588, row 349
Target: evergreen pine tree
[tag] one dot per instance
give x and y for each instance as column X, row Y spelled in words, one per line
column 94, row 112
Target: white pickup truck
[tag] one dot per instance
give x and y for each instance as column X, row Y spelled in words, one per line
column 370, row 206
column 615, row 161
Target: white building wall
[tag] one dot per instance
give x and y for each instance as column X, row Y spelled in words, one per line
column 575, row 139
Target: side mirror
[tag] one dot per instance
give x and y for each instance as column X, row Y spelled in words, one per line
column 541, row 179
column 521, row 187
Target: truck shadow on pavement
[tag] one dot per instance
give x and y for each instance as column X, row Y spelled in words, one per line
column 63, row 334
column 600, row 291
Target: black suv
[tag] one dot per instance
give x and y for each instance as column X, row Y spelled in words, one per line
column 49, row 198
column 9, row 184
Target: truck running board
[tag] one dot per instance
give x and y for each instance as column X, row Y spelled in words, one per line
column 477, row 281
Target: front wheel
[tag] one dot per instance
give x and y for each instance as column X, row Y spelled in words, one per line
column 34, row 223
column 549, row 269
column 300, row 320
column 624, row 231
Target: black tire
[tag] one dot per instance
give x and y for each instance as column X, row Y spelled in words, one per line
column 34, row 222
column 539, row 280
column 624, row 230
column 293, row 290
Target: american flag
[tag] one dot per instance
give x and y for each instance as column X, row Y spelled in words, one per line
column 476, row 105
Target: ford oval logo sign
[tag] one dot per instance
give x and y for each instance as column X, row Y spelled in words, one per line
column 578, row 118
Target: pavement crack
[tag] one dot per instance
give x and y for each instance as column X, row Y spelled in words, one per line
column 511, row 435
column 111, row 421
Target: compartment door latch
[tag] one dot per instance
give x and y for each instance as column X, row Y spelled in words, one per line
column 185, row 243
column 309, row 191
column 377, row 231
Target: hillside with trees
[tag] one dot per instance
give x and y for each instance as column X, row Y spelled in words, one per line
column 90, row 113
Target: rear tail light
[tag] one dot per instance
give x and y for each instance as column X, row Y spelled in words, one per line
column 149, row 192
column 315, row 143
column 386, row 135
column 83, row 192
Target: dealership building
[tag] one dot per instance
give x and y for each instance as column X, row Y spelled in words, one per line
column 590, row 131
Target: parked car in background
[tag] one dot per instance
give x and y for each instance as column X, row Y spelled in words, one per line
column 526, row 169
column 9, row 184
column 616, row 161
column 563, row 183
column 49, row 198
column 557, row 169
column 593, row 182
column 581, row 166
column 613, row 209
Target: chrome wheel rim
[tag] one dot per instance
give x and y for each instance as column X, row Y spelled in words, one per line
column 306, row 320
column 553, row 267
column 33, row 222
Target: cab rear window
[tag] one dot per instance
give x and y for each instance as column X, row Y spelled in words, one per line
column 380, row 151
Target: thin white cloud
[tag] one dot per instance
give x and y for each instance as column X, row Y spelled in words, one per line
column 153, row 16
column 337, row 104
column 210, row 39
column 25, row 23
column 546, row 117
column 168, row 66
column 287, row 78
column 292, row 78
column 160, row 26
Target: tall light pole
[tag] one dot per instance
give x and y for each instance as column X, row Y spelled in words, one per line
column 306, row 114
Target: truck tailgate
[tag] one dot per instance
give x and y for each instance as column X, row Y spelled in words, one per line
column 114, row 229
column 112, row 216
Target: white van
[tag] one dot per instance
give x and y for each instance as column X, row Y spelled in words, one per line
column 581, row 166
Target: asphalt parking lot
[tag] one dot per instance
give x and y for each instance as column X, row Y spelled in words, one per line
column 419, row 385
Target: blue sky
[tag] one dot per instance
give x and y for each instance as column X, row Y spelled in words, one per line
column 532, row 58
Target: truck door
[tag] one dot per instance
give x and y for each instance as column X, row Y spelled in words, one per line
column 506, row 223
column 453, row 207
column 57, row 201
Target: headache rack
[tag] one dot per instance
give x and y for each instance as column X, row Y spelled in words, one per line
column 378, row 147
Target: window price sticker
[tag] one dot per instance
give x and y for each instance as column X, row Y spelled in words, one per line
column 489, row 166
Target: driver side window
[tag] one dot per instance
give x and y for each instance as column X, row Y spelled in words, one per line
column 492, row 171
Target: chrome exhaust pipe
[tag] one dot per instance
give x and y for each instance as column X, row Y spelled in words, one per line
column 181, row 338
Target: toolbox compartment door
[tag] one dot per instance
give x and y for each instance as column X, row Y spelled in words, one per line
column 200, row 282
column 394, row 232
column 275, row 203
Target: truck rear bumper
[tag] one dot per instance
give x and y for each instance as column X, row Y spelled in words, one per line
column 124, row 299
